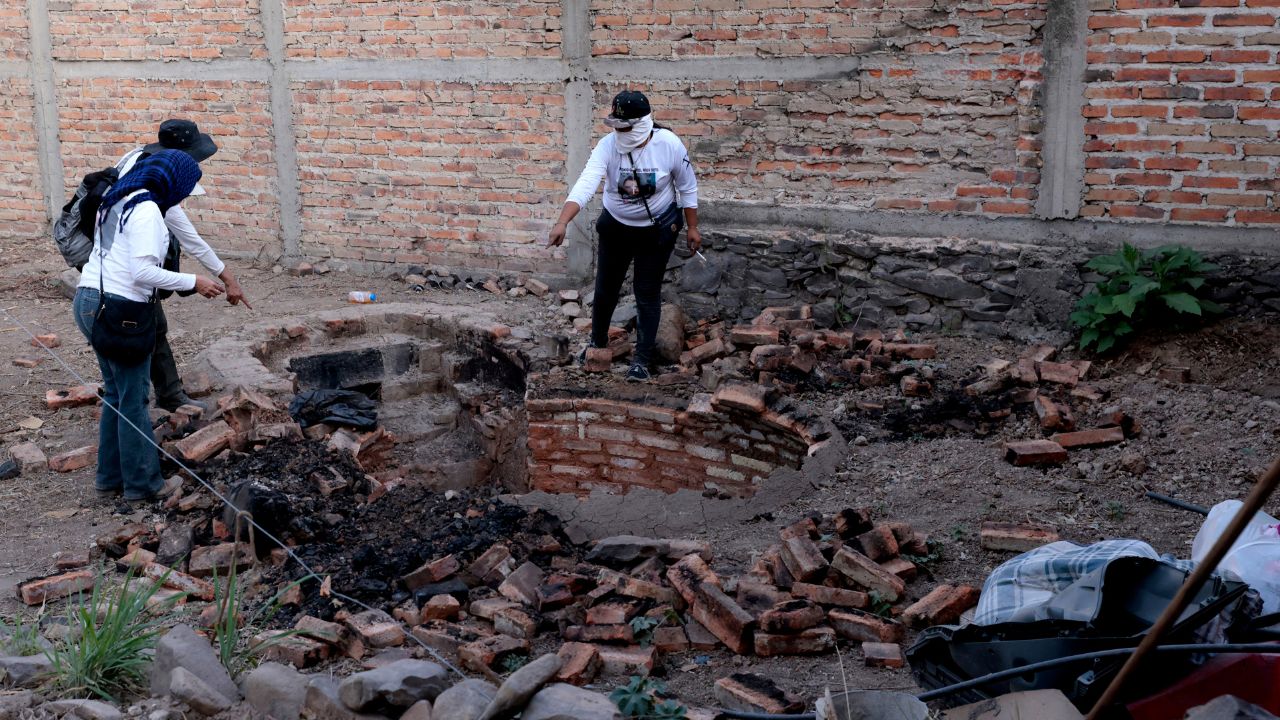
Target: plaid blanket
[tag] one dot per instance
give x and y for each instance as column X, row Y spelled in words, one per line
column 1032, row 578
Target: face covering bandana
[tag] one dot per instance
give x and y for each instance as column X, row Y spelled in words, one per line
column 627, row 141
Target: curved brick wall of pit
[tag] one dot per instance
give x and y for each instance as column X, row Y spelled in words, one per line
column 723, row 445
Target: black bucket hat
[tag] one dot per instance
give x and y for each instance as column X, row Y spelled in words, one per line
column 628, row 106
column 183, row 135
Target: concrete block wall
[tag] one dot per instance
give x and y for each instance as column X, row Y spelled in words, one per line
column 446, row 132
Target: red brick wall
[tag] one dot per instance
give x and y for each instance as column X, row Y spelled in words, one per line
column 394, row 29
column 578, row 446
column 21, row 200
column 13, row 31
column 159, row 30
column 106, row 117
column 428, row 172
column 1182, row 112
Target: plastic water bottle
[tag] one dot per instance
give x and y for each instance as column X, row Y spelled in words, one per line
column 361, row 297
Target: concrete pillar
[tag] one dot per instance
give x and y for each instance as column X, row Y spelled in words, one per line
column 1062, row 174
column 46, row 101
column 285, row 141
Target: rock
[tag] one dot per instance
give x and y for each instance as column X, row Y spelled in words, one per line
column 276, row 690
column 566, row 702
column 84, row 710
column 421, row 710
column 399, row 684
column 69, row 282
column 670, row 339
column 175, row 545
column 12, row 704
column 23, row 671
column 196, row 692
column 520, row 686
column 181, row 647
column 465, row 701
column 571, row 309
column 322, row 703
column 623, row 550
column 28, row 456
column 939, row 283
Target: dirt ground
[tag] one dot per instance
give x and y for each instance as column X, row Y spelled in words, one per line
column 1203, row 442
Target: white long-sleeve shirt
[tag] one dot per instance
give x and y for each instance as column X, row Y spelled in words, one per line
column 180, row 225
column 133, row 264
column 662, row 169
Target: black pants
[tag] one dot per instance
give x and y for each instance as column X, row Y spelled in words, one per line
column 164, row 370
column 650, row 249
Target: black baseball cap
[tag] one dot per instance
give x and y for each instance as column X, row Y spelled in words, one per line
column 183, row 135
column 628, row 106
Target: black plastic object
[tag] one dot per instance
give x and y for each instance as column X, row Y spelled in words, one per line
column 9, row 469
column 336, row 407
column 1110, row 608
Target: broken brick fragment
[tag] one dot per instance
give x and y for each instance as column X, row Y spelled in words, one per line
column 579, row 663
column 1015, row 538
column 522, row 584
column 598, row 360
column 219, row 559
column 611, row 613
column 878, row 543
column 670, row 640
column 688, row 573
column 432, row 572
column 42, row 590
column 515, row 623
column 492, row 567
column 77, row 396
column 913, row 386
column 376, row 629
column 293, row 649
column 1059, row 373
column 742, row 396
column 205, row 442
column 626, row 661
column 1098, row 437
column 1034, row 452
column 758, row 596
column 607, row 634
column 888, row 655
column 791, row 616
column 73, row 460
column 751, row 336
column 487, row 653
column 635, row 588
column 700, row 638
column 440, row 607
column 901, row 567
column 851, row 522
column 942, row 606
column 49, row 340
column 1048, row 412
column 910, row 351
column 813, row 641
column 747, row 692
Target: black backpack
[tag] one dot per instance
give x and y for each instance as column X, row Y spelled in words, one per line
column 73, row 232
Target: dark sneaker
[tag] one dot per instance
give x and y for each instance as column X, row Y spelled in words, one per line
column 638, row 373
column 173, row 403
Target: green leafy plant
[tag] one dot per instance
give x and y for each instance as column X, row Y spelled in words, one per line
column 1116, row 510
column 642, row 697
column 930, row 558
column 514, row 662
column 879, row 605
column 229, row 635
column 642, row 627
column 1139, row 285
column 112, row 635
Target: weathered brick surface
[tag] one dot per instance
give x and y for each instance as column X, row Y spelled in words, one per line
column 457, row 174
column 103, row 118
column 412, row 29
column 1181, row 119
column 21, row 203
column 164, row 30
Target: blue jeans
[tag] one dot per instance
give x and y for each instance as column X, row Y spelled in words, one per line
column 126, row 461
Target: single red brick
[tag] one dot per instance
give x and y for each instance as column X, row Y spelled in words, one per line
column 515, row 623
column 26, row 362
column 441, row 607
column 1015, row 538
column 50, row 341
column 688, row 573
column 598, row 360
column 612, row 613
column 42, row 590
column 376, row 629
column 813, row 641
column 1060, row 373
column 883, row 655
column 626, row 661
column 865, row 627
column 723, row 617
column 746, row 692
column 824, row 595
column 742, row 396
column 1089, row 438
column 77, row 396
column 487, row 653
column 860, row 570
column 791, row 616
column 294, row 649
column 74, row 459
column 609, row 634
column 522, row 584
column 942, row 606
column 803, row 558
column 205, row 561
column 432, row 572
column 670, row 640
column 751, row 336
column 911, row 351
column 901, row 567
column 1035, row 452
column 205, row 442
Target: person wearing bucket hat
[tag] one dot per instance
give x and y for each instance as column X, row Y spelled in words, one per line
column 184, row 135
column 650, row 194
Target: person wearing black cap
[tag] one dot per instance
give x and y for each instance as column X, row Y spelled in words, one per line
column 184, row 135
column 650, row 193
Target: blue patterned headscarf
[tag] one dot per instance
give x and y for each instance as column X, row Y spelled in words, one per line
column 167, row 176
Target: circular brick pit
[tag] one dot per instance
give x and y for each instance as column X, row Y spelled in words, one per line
column 468, row 403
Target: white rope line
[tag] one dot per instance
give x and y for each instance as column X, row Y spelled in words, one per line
column 150, row 438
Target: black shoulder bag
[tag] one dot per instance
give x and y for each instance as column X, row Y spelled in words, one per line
column 670, row 222
column 124, row 331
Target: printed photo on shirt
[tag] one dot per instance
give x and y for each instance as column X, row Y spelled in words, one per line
column 638, row 183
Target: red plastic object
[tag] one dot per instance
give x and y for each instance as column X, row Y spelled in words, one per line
column 1253, row 678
